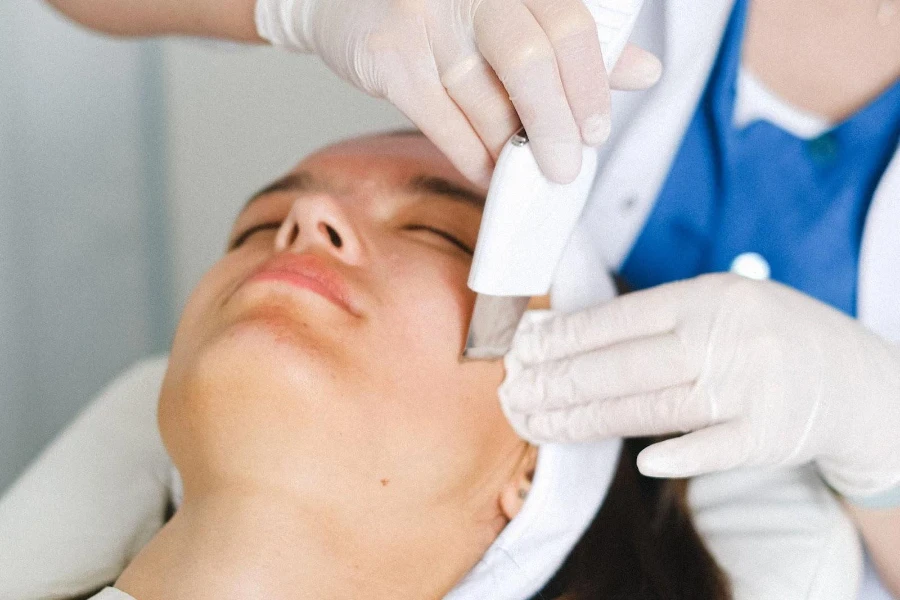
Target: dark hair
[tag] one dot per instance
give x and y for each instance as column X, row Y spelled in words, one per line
column 642, row 545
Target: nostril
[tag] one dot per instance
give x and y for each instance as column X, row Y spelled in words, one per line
column 334, row 236
column 293, row 234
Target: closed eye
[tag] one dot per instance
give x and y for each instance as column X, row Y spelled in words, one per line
column 443, row 234
column 239, row 241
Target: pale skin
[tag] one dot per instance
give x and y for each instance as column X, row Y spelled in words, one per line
column 829, row 57
column 227, row 19
column 337, row 449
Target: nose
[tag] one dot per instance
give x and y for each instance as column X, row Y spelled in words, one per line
column 319, row 223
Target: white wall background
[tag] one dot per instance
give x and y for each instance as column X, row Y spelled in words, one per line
column 122, row 166
column 84, row 269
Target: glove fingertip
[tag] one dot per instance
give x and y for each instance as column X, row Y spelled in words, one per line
column 663, row 463
column 514, row 399
column 539, row 429
column 560, row 160
column 637, row 70
column 519, row 418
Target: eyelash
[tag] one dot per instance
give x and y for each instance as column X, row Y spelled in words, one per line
column 440, row 232
column 239, row 241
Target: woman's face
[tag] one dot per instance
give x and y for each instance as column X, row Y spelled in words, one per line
column 323, row 348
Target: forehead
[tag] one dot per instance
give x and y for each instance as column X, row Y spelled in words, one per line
column 382, row 161
column 375, row 167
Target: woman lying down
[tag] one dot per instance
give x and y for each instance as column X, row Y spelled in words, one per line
column 331, row 444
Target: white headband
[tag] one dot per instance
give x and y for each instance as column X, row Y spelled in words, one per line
column 570, row 481
column 570, row 484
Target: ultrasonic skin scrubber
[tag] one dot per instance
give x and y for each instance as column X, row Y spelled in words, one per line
column 528, row 219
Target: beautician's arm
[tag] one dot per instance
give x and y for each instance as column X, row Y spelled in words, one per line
column 881, row 532
column 462, row 71
column 228, row 19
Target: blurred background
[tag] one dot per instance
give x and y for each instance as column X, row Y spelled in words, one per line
column 122, row 165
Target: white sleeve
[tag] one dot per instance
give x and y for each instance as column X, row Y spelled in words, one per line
column 778, row 533
column 92, row 500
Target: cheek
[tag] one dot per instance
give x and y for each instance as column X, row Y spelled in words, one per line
column 202, row 315
column 420, row 342
column 428, row 305
column 199, row 313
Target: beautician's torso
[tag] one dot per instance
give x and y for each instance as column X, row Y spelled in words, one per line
column 732, row 189
column 649, row 128
column 758, row 186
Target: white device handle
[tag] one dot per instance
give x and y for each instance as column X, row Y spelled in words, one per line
column 527, row 218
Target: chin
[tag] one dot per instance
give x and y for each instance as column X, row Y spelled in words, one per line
column 254, row 387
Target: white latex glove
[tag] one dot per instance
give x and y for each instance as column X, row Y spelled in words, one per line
column 465, row 71
column 759, row 373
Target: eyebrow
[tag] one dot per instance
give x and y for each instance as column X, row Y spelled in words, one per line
column 292, row 182
column 303, row 181
column 444, row 187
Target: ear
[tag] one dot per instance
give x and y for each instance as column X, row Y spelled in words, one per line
column 513, row 494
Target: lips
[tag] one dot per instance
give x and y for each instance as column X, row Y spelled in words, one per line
column 309, row 272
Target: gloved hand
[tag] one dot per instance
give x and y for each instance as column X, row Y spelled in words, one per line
column 465, row 71
column 759, row 373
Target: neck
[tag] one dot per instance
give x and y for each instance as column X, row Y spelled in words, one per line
column 827, row 41
column 234, row 544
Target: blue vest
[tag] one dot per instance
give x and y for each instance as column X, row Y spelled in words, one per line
column 801, row 204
